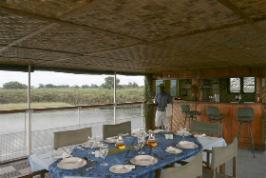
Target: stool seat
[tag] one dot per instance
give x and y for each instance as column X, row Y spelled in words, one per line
column 193, row 113
column 189, row 114
column 214, row 113
column 245, row 115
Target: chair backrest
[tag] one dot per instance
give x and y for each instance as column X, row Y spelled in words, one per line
column 245, row 114
column 221, row 155
column 211, row 129
column 192, row 169
column 71, row 137
column 114, row 130
column 185, row 108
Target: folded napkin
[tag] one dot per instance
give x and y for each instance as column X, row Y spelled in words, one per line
column 129, row 166
column 183, row 131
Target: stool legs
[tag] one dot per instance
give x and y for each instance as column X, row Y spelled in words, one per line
column 251, row 141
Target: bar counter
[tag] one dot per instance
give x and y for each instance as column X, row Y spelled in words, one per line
column 230, row 122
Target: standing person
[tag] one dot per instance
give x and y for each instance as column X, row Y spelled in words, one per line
column 162, row 99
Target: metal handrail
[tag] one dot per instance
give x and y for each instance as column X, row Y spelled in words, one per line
column 68, row 107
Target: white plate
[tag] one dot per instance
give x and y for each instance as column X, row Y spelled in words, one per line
column 144, row 160
column 121, row 169
column 187, row 145
column 110, row 140
column 173, row 150
column 71, row 163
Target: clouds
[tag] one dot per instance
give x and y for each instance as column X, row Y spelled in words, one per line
column 59, row 78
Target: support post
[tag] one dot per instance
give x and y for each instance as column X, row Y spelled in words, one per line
column 115, row 98
column 28, row 118
column 149, row 107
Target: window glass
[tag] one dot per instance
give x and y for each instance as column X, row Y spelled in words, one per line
column 173, row 87
column 235, row 85
column 158, row 83
column 249, row 84
column 13, row 96
column 129, row 89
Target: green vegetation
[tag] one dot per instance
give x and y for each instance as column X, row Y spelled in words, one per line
column 13, row 95
column 58, row 97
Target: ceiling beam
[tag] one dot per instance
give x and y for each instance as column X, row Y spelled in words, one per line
column 43, row 29
column 236, row 10
column 228, row 4
column 65, row 22
column 15, row 42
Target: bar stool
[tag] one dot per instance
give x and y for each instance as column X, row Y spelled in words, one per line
column 189, row 114
column 214, row 114
column 245, row 116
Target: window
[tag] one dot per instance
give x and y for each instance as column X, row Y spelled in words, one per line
column 248, row 84
column 158, row 83
column 245, row 84
column 235, row 85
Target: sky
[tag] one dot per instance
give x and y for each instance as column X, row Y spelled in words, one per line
column 59, row 78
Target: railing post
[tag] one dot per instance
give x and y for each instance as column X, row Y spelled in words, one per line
column 28, row 118
column 115, row 98
column 79, row 115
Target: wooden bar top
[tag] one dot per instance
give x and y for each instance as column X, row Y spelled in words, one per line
column 230, row 122
column 208, row 102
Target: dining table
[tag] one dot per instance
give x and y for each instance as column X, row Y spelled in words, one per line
column 95, row 168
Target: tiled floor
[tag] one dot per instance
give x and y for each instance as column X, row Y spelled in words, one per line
column 248, row 167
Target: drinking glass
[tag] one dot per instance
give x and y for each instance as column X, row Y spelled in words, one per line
column 104, row 150
column 141, row 143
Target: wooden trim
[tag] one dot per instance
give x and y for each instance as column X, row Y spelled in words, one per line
column 212, row 73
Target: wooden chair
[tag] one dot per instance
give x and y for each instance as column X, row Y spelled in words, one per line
column 210, row 129
column 71, row 137
column 114, row 130
column 220, row 156
column 193, row 169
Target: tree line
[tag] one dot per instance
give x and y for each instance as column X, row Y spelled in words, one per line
column 108, row 84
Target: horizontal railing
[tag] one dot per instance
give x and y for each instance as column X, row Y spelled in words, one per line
column 68, row 107
column 46, row 121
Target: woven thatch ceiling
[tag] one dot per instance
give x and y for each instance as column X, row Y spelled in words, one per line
column 134, row 36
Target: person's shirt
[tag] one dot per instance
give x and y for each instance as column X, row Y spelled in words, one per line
column 162, row 99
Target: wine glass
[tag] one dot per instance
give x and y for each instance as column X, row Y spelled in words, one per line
column 104, row 150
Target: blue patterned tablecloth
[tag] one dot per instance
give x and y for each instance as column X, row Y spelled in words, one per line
column 100, row 171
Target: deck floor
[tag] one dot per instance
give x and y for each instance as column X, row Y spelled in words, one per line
column 248, row 167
